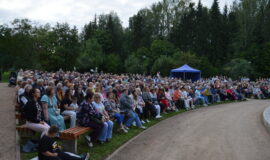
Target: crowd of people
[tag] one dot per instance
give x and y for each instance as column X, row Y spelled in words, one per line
column 104, row 101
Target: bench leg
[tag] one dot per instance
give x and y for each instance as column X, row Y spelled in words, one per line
column 70, row 146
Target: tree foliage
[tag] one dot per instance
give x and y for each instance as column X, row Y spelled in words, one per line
column 167, row 34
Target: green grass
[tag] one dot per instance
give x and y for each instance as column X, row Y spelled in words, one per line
column 5, row 76
column 100, row 152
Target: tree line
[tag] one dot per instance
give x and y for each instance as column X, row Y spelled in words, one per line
column 233, row 41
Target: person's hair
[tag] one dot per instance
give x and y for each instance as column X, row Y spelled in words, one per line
column 67, row 94
column 108, row 94
column 89, row 95
column 53, row 130
column 96, row 95
column 124, row 90
column 134, row 93
column 49, row 90
column 74, row 98
column 28, row 86
column 32, row 92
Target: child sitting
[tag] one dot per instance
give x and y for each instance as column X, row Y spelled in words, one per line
column 50, row 150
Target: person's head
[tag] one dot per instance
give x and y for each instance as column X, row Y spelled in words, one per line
column 27, row 88
column 51, row 84
column 97, row 98
column 68, row 92
column 50, row 91
column 146, row 89
column 153, row 90
column 89, row 96
column 40, row 82
column 34, row 93
column 138, row 91
column 110, row 95
column 125, row 91
column 53, row 131
column 134, row 93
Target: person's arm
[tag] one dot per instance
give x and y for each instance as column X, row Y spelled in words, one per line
column 66, row 107
column 50, row 154
column 45, row 110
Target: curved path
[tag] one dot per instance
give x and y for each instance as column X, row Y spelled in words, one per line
column 7, row 123
column 224, row 132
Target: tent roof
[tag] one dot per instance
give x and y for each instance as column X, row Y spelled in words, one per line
column 185, row 68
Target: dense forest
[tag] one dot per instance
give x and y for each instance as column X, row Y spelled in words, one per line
column 233, row 41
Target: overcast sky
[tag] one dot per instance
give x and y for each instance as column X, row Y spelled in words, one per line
column 75, row 12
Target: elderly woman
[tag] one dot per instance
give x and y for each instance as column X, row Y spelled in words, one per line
column 34, row 113
column 24, row 97
column 106, row 133
column 112, row 107
column 50, row 109
column 138, row 103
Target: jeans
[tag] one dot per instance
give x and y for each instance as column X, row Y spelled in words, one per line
column 200, row 98
column 157, row 110
column 133, row 116
column 119, row 117
column 72, row 115
column 106, row 132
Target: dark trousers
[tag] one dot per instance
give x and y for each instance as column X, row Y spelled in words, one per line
column 97, row 128
column 149, row 109
column 62, row 156
column 180, row 104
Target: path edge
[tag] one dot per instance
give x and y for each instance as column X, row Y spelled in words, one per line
column 266, row 118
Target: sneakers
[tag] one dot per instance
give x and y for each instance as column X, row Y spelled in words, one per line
column 147, row 121
column 157, row 117
column 142, row 121
column 134, row 123
column 88, row 140
column 124, row 130
column 143, row 127
column 85, row 157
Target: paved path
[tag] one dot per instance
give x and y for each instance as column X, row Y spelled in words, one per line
column 224, row 132
column 7, row 123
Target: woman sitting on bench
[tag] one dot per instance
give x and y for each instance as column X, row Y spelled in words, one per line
column 34, row 114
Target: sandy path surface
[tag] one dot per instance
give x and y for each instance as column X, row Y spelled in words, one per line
column 224, row 132
column 7, row 123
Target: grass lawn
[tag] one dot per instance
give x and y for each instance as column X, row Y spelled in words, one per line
column 99, row 152
column 5, row 76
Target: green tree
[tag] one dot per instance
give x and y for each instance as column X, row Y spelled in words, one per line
column 238, row 68
column 91, row 56
column 163, row 65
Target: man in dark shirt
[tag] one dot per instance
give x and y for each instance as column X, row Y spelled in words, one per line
column 50, row 150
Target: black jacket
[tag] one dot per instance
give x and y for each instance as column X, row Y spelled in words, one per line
column 31, row 112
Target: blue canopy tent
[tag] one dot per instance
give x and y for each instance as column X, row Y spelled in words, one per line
column 186, row 72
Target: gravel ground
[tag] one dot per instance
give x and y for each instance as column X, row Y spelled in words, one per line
column 7, row 123
column 224, row 132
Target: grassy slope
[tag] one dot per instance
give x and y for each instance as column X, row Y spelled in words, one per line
column 99, row 152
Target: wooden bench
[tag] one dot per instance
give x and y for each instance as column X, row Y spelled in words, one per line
column 70, row 137
column 23, row 131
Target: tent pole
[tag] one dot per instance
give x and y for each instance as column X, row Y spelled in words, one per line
column 184, row 76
